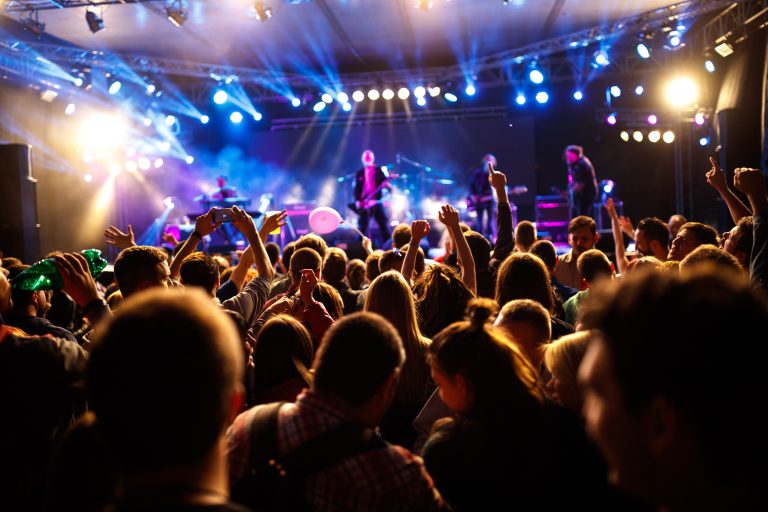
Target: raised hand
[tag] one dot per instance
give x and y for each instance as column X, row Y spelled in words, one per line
column 204, row 224
column 78, row 281
column 274, row 221
column 716, row 177
column 367, row 245
column 626, row 226
column 243, row 222
column 749, row 181
column 419, row 229
column 610, row 207
column 113, row 236
column 497, row 179
column 169, row 239
column 448, row 215
column 307, row 285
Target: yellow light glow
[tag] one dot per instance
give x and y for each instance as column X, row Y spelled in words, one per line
column 682, row 92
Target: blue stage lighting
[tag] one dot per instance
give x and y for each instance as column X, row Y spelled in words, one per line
column 295, row 102
column 257, row 116
column 327, row 98
column 419, row 92
column 643, row 51
column 449, row 96
column 115, row 87
column 520, row 99
column 578, row 95
column 189, row 159
column 470, row 90
column 542, row 97
column 704, row 141
column 342, row 97
column 204, row 119
column 358, row 96
column 346, row 107
column 170, row 120
column 236, row 117
column 220, row 97
column 319, row 106
column 615, row 91
column 536, row 76
column 78, row 82
column 639, row 90
column 151, row 88
column 421, row 101
column 709, row 66
column 601, row 59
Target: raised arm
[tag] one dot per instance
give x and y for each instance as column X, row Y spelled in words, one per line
column 450, row 217
column 752, row 183
column 716, row 180
column 419, row 229
column 204, row 225
column 244, row 223
column 618, row 238
column 113, row 236
column 505, row 236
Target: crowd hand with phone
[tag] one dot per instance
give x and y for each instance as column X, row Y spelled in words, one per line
column 716, row 179
column 307, row 286
column 205, row 223
column 113, row 236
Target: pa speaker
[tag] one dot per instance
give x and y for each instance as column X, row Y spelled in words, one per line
column 19, row 229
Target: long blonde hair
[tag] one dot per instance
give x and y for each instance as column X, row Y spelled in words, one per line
column 390, row 296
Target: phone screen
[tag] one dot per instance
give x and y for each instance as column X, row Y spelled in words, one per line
column 223, row 215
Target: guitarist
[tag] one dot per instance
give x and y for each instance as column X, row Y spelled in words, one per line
column 582, row 183
column 369, row 183
column 481, row 196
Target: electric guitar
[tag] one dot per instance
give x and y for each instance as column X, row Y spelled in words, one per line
column 475, row 202
column 366, row 202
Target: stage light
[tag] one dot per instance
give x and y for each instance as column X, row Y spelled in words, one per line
column 32, row 25
column 346, row 107
column 103, row 134
column 682, row 92
column 434, row 91
column 419, row 92
column 424, row 5
column 176, row 14
column 654, row 136
column 699, row 119
column 643, row 51
column 158, row 163
column 78, row 82
column 536, row 76
column 130, row 151
column 94, row 22
column 624, row 135
column 724, row 49
column 147, row 121
column 607, row 186
column 709, row 66
column 236, row 117
column 373, row 94
column 421, row 101
column 358, row 96
column 115, row 169
column 295, row 102
column 220, row 97
column 669, row 137
column 611, row 119
column 88, row 178
column 258, row 116
column 131, row 166
column 542, row 97
column 319, row 106
column 170, row 120
column 115, row 86
column 637, row 135
column 327, row 98
column 703, row 141
column 520, row 99
column 652, row 119
column 342, row 98
column 403, row 93
column 674, row 39
column 615, row 91
column 639, row 90
column 470, row 90
column 388, row 94
column 164, row 146
column 449, row 96
column 578, row 95
column 70, row 109
column 189, row 159
column 263, row 12
column 204, row 119
column 144, row 163
column 168, row 203
column 600, row 59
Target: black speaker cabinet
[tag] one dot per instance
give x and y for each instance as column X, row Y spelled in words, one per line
column 19, row 229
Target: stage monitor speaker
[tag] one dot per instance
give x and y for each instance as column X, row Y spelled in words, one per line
column 552, row 217
column 19, row 229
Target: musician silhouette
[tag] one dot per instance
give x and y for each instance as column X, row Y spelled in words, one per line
column 370, row 181
column 481, row 196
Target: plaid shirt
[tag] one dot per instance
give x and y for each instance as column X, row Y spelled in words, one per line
column 390, row 478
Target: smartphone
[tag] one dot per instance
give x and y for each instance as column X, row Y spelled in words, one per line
column 223, row 215
column 278, row 229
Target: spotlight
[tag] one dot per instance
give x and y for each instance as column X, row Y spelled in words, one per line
column 652, row 119
column 115, row 86
column 327, row 98
column 674, row 39
column 131, row 166
column 639, row 90
column 220, row 97
column 520, row 99
column 709, row 66
column 449, row 96
column 164, row 145
column 403, row 93
column 342, row 98
column 536, row 76
column 94, row 22
column 151, row 88
column 669, row 137
column 373, row 94
column 578, row 95
column 88, row 178
column 263, row 12
column 611, row 119
column 723, row 49
column 144, row 163
column 170, row 120
column 388, row 94
column 470, row 90
column 130, row 151
column 654, row 136
column 320, row 105
column 424, row 5
column 204, row 119
column 295, row 102
column 147, row 121
column 607, row 186
column 70, row 109
column 624, row 135
column 258, row 116
column 358, row 96
column 189, row 159
column 643, row 51
column 78, row 82
column 115, row 169
column 542, row 97
column 236, row 117
column 682, row 92
column 168, row 203
column 637, row 135
column 33, row 25
column 176, row 14
column 600, row 59
column 421, row 101
column 419, row 92
column 158, row 163
column 703, row 141
column 615, row 91
column 346, row 107
column 434, row 91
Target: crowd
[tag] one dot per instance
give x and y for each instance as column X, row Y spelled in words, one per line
column 499, row 375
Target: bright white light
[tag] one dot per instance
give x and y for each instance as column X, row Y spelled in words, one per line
column 168, row 203
column 295, row 102
column 258, row 116
column 674, row 41
column 151, row 88
column 131, row 166
column 342, row 98
column 611, row 119
column 130, row 151
column 320, row 105
column 204, row 119
column 170, row 120
column 70, row 109
column 158, row 163
column 578, row 95
column 699, row 119
column 470, row 90
column 358, row 96
column 103, row 134
column 669, row 137
column 654, row 136
column 601, row 58
column 115, row 169
column 638, row 136
column 147, row 121
column 624, row 135
column 615, row 91
column 639, row 90
column 189, row 159
column 220, row 97
column 449, row 96
column 236, row 117
column 398, row 203
column 520, row 99
column 346, row 107
column 704, row 141
column 388, row 94
column 403, row 93
column 421, row 101
column 373, row 94
column 652, row 119
column 419, row 92
column 327, row 98
column 682, row 92
column 79, row 83
column 709, row 66
column 643, row 51
column 164, row 146
column 434, row 91
column 88, row 178
column 115, row 87
column 536, row 76
column 144, row 163
column 542, row 97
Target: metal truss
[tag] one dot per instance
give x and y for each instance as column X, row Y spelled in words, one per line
column 734, row 24
column 637, row 118
column 44, row 5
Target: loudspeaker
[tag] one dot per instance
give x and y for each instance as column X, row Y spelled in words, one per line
column 552, row 217
column 19, row 229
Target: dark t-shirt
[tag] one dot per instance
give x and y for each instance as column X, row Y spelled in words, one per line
column 37, row 326
column 583, row 172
